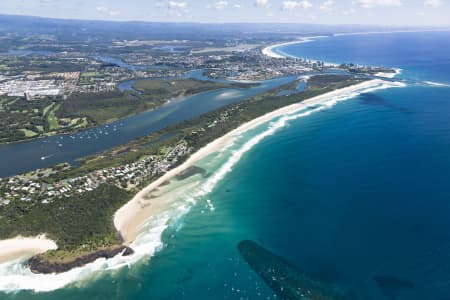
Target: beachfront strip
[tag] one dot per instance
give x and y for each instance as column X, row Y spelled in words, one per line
column 28, row 188
column 35, row 186
column 40, row 201
column 69, row 91
column 87, row 74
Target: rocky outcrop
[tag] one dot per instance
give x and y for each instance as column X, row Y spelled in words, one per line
column 38, row 264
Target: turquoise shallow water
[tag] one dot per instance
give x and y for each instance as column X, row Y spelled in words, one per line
column 347, row 193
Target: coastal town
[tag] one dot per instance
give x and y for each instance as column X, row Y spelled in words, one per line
column 32, row 187
column 76, row 89
column 102, row 77
column 224, row 149
column 96, row 74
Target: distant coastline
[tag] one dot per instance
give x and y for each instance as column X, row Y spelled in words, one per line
column 270, row 50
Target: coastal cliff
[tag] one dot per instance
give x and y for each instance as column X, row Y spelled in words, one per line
column 38, row 264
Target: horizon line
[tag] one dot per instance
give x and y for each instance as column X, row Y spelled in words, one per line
column 228, row 23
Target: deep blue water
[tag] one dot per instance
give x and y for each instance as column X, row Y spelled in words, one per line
column 423, row 56
column 346, row 194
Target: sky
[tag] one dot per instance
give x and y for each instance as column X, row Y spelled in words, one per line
column 373, row 12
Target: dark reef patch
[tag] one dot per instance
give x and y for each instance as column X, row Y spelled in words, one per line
column 285, row 279
column 375, row 100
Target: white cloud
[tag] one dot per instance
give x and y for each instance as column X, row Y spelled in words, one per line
column 375, row 3
column 262, row 3
column 351, row 11
column 433, row 3
column 219, row 5
column 291, row 5
column 48, row 1
column 327, row 5
column 175, row 8
column 177, row 5
column 237, row 6
column 107, row 11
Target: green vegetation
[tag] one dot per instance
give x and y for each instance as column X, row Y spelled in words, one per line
column 21, row 119
column 52, row 120
column 28, row 133
column 90, row 74
column 16, row 65
column 80, row 225
column 102, row 108
column 84, row 224
column 324, row 82
column 176, row 88
column 237, row 113
column 48, row 108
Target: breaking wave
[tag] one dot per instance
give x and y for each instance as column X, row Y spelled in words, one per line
column 436, row 84
column 14, row 276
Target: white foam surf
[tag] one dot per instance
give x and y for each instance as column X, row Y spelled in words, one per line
column 274, row 51
column 389, row 74
column 272, row 127
column 15, row 276
column 436, row 84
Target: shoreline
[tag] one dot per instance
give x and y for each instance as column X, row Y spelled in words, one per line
column 147, row 203
column 131, row 217
column 19, row 247
column 113, row 120
column 269, row 50
column 398, row 71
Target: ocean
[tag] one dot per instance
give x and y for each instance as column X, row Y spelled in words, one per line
column 348, row 192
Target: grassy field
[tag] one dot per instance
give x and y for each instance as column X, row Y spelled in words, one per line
column 21, row 119
column 28, row 133
column 52, row 119
column 48, row 108
column 90, row 74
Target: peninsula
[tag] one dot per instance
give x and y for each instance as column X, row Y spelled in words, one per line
column 70, row 214
column 77, row 211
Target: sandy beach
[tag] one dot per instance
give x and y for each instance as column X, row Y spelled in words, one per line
column 152, row 200
column 158, row 197
column 24, row 247
column 269, row 51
